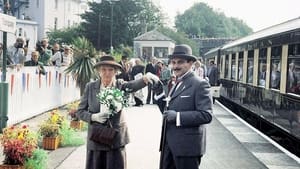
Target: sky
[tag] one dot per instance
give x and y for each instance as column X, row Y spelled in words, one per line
column 257, row 14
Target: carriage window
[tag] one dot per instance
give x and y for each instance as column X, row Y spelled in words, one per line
column 293, row 74
column 233, row 67
column 250, row 66
column 240, row 68
column 275, row 67
column 262, row 67
column 226, row 66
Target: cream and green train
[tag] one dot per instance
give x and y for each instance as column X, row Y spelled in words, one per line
column 260, row 76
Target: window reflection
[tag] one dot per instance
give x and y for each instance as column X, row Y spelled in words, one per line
column 241, row 63
column 262, row 66
column 275, row 67
column 250, row 66
column 293, row 73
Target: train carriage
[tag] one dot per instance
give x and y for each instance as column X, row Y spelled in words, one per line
column 260, row 76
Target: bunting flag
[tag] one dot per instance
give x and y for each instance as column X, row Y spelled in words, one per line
column 56, row 74
column 27, row 82
column 12, row 80
column 65, row 81
column 59, row 78
column 23, row 81
column 50, row 78
column 46, row 77
column 68, row 80
column 40, row 80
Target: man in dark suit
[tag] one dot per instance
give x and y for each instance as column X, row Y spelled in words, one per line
column 188, row 108
column 151, row 67
column 213, row 73
column 124, row 72
column 34, row 62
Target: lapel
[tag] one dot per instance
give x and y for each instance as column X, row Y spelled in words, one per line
column 184, row 85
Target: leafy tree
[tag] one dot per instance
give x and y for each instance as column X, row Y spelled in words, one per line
column 130, row 18
column 84, row 59
column 64, row 36
column 180, row 38
column 201, row 20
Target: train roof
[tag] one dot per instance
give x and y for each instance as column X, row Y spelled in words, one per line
column 212, row 50
column 280, row 28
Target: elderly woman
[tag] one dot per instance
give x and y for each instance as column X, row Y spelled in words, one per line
column 103, row 156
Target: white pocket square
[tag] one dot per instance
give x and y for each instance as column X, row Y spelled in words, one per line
column 185, row 96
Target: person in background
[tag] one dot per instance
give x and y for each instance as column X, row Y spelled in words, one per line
column 16, row 53
column 213, row 73
column 45, row 51
column 124, row 71
column 199, row 71
column 165, row 76
column 56, row 58
column 98, row 155
column 34, row 62
column 151, row 67
column 67, row 56
column 137, row 72
column 188, row 109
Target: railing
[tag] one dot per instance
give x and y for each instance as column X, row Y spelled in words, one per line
column 31, row 93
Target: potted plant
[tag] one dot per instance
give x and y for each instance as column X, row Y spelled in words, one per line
column 75, row 123
column 18, row 144
column 49, row 130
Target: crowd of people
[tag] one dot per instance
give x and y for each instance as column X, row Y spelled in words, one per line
column 42, row 55
column 134, row 69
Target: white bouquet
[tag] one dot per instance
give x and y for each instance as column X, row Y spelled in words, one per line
column 113, row 98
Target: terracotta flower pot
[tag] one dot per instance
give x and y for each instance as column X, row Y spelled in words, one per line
column 7, row 166
column 50, row 143
column 76, row 124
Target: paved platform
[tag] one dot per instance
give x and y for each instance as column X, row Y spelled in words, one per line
column 231, row 144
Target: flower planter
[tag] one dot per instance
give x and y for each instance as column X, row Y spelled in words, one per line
column 76, row 124
column 50, row 143
column 7, row 166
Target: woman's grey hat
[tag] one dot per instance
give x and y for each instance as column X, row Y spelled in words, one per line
column 184, row 52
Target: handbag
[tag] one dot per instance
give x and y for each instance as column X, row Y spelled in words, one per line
column 103, row 134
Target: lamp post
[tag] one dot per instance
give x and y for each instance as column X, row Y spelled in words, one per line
column 111, row 25
column 3, row 83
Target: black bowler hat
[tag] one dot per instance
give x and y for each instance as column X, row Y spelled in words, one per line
column 184, row 52
column 108, row 60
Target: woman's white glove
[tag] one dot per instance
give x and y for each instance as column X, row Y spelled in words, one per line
column 102, row 116
column 151, row 78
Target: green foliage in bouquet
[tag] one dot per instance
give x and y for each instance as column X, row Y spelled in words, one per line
column 113, row 98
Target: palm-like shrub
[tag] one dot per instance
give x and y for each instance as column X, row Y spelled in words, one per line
column 84, row 60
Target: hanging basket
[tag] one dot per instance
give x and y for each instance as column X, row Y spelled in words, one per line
column 50, row 143
column 76, row 124
column 7, row 166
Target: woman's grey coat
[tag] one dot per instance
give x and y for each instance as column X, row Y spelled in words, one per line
column 89, row 105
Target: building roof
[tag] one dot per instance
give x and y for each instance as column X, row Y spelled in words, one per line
column 153, row 35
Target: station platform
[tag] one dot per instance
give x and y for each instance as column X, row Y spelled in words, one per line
column 231, row 144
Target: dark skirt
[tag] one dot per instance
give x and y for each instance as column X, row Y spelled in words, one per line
column 113, row 159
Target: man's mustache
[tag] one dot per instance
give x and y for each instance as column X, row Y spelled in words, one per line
column 177, row 69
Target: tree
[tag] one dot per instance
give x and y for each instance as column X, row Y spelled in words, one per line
column 130, row 18
column 84, row 60
column 65, row 36
column 201, row 20
column 180, row 38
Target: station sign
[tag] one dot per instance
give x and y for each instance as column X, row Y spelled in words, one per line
column 7, row 23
